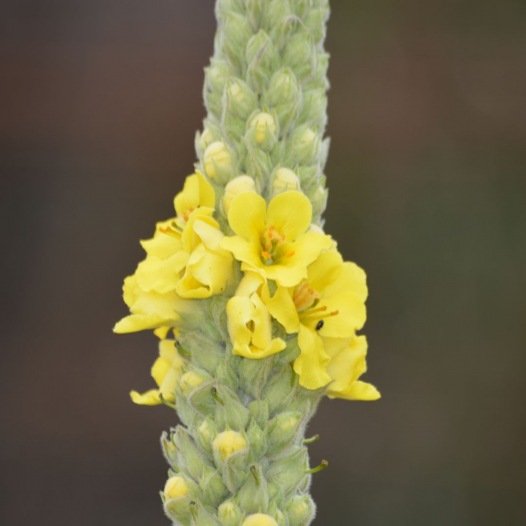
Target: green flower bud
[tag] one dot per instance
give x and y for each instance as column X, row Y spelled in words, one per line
column 303, row 146
column 229, row 513
column 206, row 432
column 258, row 440
column 263, row 131
column 283, row 429
column 190, row 381
column 301, row 510
column 290, row 473
column 203, row 140
column 253, row 494
column 284, row 97
column 218, row 162
column 230, row 412
column 211, row 484
column 176, row 497
column 175, row 488
column 314, row 104
column 315, row 20
column 169, row 449
column 259, row 519
column 195, row 462
column 280, row 390
column 241, row 101
column 216, row 76
column 284, row 180
column 227, row 444
column 261, row 60
column 238, row 185
column 237, row 31
column 298, row 53
column 230, row 450
column 319, row 200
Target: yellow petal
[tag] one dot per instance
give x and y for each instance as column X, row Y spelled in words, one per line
column 243, row 250
column 197, row 192
column 282, row 308
column 138, row 322
column 307, row 248
column 150, row 397
column 358, row 390
column 206, row 273
column 160, row 369
column 311, row 364
column 210, row 235
column 325, row 270
column 290, row 213
column 160, row 275
column 246, row 215
column 161, row 245
column 249, row 284
column 239, row 312
column 347, row 364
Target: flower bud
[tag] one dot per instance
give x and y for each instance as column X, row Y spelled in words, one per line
column 284, row 180
column 298, row 53
column 259, row 519
column 218, row 162
column 190, row 381
column 261, row 57
column 238, row 185
column 169, row 449
column 206, row 432
column 300, row 510
column 263, row 130
column 240, row 99
column 319, row 200
column 175, row 488
column 283, row 87
column 254, row 494
column 203, row 140
column 304, row 145
column 284, row 97
column 283, row 428
column 228, row 443
column 229, row 513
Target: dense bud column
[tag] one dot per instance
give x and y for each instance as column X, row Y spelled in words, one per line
column 256, row 311
column 265, row 93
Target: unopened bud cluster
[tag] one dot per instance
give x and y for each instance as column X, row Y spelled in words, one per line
column 265, row 91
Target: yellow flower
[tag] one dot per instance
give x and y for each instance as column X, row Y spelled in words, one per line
column 346, row 365
column 184, row 259
column 166, row 370
column 329, row 304
column 150, row 292
column 275, row 242
column 249, row 323
column 149, row 310
column 197, row 192
column 208, row 266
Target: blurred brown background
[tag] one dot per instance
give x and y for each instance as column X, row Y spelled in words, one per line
column 100, row 102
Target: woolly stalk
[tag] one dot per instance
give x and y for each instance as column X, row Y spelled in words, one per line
column 257, row 317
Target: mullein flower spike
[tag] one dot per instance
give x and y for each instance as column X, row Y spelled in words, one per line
column 256, row 312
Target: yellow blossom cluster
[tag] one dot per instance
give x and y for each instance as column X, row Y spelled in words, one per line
column 294, row 284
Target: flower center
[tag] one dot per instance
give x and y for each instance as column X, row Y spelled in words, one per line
column 307, row 301
column 304, row 296
column 272, row 242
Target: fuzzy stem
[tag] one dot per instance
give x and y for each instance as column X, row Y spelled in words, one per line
column 241, row 448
